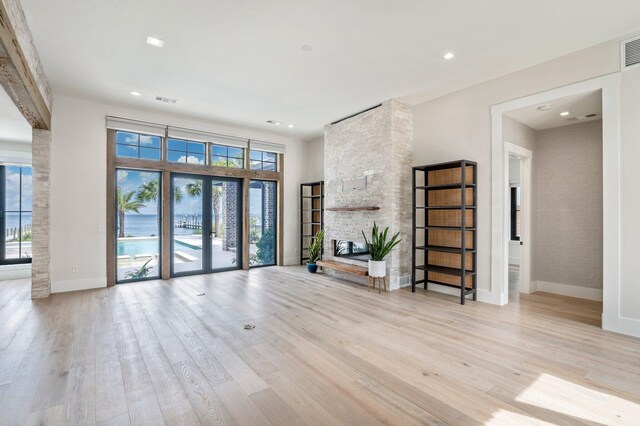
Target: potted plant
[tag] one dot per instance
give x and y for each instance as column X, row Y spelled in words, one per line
column 315, row 250
column 379, row 247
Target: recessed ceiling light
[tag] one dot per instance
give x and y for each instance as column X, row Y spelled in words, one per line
column 277, row 123
column 306, row 47
column 448, row 55
column 545, row 108
column 155, row 41
column 291, row 126
column 134, row 93
column 564, row 113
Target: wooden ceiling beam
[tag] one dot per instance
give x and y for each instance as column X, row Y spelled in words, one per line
column 21, row 73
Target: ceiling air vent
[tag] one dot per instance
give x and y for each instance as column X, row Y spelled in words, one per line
column 166, row 100
column 631, row 53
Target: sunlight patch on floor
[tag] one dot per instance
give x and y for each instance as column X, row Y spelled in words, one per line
column 505, row 417
column 561, row 396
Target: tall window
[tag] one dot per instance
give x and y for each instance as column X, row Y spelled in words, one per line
column 515, row 213
column 227, row 156
column 180, row 151
column 15, row 214
column 137, row 224
column 135, row 145
column 262, row 160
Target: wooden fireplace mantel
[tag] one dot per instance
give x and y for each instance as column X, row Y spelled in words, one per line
column 352, row 209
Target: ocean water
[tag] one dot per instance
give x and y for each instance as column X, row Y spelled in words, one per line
column 12, row 219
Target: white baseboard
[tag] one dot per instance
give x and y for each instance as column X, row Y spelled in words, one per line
column 73, row 285
column 567, row 290
column 623, row 325
column 291, row 261
column 14, row 272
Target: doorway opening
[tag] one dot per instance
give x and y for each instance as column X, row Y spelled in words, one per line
column 555, row 205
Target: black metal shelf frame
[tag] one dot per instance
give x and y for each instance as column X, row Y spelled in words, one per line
column 424, row 248
column 306, row 238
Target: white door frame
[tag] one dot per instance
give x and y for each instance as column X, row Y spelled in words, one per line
column 610, row 86
column 526, row 159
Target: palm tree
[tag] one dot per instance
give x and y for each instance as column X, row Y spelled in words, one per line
column 194, row 188
column 126, row 203
column 216, row 197
column 149, row 191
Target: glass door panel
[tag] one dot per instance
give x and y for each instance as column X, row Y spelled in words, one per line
column 262, row 221
column 137, row 225
column 226, row 224
column 187, row 222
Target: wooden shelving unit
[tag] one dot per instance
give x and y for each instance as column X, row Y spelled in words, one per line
column 311, row 215
column 444, row 245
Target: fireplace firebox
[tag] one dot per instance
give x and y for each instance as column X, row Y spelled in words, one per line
column 350, row 250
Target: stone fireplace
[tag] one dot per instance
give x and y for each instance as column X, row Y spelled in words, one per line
column 367, row 163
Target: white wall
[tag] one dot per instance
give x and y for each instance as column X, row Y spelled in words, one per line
column 314, row 154
column 458, row 125
column 78, row 186
column 630, row 196
column 15, row 152
column 517, row 133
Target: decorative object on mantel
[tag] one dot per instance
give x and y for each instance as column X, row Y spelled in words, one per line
column 444, row 226
column 315, row 250
column 311, row 215
column 379, row 247
column 353, row 209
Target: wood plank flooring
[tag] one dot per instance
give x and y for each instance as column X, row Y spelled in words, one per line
column 323, row 351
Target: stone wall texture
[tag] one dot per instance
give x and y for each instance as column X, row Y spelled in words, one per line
column 379, row 140
column 567, row 206
column 40, row 276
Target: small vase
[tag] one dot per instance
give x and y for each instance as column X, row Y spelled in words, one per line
column 377, row 268
column 312, row 267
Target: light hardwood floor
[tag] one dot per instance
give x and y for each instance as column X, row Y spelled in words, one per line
column 323, row 351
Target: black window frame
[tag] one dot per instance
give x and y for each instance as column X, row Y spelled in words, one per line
column 226, row 156
column 514, row 213
column 262, row 161
column 275, row 219
column 3, row 211
column 138, row 145
column 186, row 152
column 116, row 229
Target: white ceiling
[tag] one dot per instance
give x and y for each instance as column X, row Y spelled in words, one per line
column 13, row 126
column 577, row 106
column 242, row 61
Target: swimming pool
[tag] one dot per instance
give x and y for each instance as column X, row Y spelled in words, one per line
column 133, row 246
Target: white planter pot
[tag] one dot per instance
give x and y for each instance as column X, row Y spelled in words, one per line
column 377, row 269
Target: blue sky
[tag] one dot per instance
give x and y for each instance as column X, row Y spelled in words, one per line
column 12, row 199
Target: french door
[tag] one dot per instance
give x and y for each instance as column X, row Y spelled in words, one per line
column 206, row 220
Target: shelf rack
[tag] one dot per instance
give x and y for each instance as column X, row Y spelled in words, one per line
column 444, row 226
column 311, row 215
